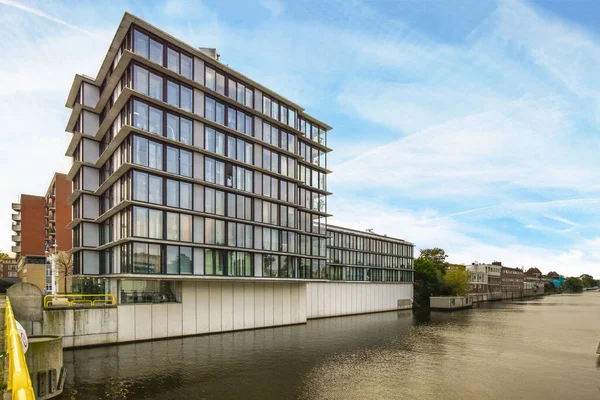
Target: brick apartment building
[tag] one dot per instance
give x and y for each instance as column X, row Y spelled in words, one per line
column 40, row 227
column 8, row 270
column 512, row 282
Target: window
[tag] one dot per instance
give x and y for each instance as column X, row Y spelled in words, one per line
column 209, row 78
column 214, row 171
column 140, row 150
column 156, row 87
column 172, row 226
column 155, row 159
column 146, row 259
column 179, row 96
column 156, row 52
column 149, row 291
column 186, row 66
column 173, row 60
column 179, row 161
column 140, row 221
column 179, row 260
column 140, row 43
column 179, row 128
column 231, row 263
column 155, row 224
column 140, row 186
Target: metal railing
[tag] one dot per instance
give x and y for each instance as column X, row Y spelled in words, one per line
column 78, row 300
column 19, row 381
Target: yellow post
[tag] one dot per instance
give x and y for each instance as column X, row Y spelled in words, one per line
column 19, row 381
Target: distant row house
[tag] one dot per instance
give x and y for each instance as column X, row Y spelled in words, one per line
column 496, row 282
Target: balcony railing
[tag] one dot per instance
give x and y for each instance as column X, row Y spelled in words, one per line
column 16, row 238
column 16, row 217
column 16, row 206
column 16, row 227
column 16, row 249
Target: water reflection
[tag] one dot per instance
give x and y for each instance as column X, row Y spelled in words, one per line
column 465, row 354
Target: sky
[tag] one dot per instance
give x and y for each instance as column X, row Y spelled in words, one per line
column 467, row 125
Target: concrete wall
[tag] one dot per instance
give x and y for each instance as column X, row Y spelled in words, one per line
column 81, row 326
column 221, row 306
column 329, row 299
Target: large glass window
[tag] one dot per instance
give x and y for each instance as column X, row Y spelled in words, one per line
column 140, row 43
column 173, row 60
column 186, row 66
column 155, row 224
column 156, row 87
column 172, row 226
column 140, row 79
column 173, row 93
column 156, row 52
column 140, row 221
column 139, row 291
column 140, row 186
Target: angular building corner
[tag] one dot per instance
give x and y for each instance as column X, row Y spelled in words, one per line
column 197, row 187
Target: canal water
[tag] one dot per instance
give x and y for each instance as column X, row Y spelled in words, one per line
column 537, row 349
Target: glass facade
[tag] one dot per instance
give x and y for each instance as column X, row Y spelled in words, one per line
column 359, row 256
column 219, row 177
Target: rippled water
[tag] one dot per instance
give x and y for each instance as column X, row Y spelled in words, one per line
column 539, row 349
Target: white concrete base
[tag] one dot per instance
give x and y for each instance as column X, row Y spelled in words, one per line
column 331, row 299
column 221, row 306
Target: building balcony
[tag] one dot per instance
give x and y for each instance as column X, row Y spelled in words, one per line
column 16, row 207
column 16, row 249
column 16, row 217
column 16, row 227
column 16, row 238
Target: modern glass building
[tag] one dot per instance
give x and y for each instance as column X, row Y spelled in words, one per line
column 187, row 173
column 366, row 256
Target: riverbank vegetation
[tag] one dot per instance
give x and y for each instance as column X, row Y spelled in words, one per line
column 434, row 277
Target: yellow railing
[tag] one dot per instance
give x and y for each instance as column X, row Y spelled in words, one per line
column 78, row 300
column 19, row 381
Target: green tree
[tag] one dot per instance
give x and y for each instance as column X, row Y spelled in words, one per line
column 3, row 256
column 437, row 256
column 575, row 285
column 427, row 282
column 457, row 282
column 588, row 280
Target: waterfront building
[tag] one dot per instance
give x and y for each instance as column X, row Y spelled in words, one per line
column 512, row 282
column 533, row 282
column 478, row 279
column 193, row 182
column 58, row 235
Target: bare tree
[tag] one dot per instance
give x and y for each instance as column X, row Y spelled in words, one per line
column 64, row 265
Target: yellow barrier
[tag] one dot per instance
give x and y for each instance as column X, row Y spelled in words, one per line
column 69, row 300
column 19, row 381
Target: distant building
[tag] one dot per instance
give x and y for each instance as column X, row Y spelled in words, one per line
column 459, row 267
column 41, row 228
column 58, row 235
column 533, row 282
column 486, row 279
column 28, row 226
column 8, row 270
column 512, row 282
column 478, row 279
column 32, row 269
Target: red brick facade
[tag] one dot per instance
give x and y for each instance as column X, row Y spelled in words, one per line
column 32, row 225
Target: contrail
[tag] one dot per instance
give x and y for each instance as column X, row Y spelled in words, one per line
column 39, row 13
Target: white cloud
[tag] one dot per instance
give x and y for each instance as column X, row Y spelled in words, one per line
column 275, row 7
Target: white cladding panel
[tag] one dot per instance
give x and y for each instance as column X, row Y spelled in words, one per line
column 91, row 123
column 329, row 299
column 91, row 94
